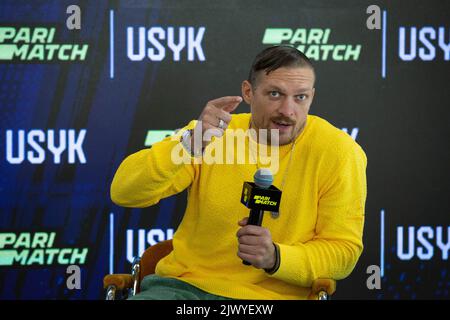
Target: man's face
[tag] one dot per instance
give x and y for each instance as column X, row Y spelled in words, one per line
column 281, row 100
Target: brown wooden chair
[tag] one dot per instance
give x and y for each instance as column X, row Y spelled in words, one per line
column 125, row 285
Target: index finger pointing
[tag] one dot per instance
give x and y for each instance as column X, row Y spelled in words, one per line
column 223, row 102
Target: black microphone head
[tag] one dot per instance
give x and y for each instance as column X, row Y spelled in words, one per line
column 263, row 178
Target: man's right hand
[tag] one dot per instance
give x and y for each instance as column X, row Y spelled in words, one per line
column 211, row 116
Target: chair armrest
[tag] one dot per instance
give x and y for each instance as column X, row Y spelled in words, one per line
column 321, row 286
column 120, row 281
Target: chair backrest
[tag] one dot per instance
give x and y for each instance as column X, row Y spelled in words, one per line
column 152, row 255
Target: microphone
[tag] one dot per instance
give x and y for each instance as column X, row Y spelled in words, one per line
column 263, row 178
column 260, row 196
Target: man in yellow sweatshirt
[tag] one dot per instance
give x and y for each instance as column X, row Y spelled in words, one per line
column 319, row 169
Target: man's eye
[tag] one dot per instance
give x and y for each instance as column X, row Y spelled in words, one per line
column 302, row 96
column 274, row 94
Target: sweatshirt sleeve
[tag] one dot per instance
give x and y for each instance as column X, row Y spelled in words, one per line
column 149, row 175
column 337, row 244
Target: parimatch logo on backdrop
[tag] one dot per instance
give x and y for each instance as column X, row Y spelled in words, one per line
column 38, row 249
column 37, row 44
column 314, row 43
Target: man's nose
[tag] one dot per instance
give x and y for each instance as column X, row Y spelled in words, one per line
column 287, row 108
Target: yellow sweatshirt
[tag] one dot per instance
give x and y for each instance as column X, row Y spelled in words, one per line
column 319, row 230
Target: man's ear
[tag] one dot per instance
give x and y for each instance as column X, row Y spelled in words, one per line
column 247, row 92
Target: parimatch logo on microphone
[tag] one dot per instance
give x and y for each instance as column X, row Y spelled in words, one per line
column 37, row 44
column 264, row 200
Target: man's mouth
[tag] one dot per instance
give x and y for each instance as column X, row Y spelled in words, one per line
column 281, row 125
